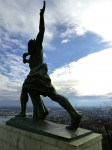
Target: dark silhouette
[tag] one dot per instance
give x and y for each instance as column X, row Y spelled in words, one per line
column 32, row 84
column 39, row 83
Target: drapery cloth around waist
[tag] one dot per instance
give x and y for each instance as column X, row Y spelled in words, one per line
column 39, row 80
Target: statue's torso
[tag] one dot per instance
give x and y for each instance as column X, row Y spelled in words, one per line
column 36, row 58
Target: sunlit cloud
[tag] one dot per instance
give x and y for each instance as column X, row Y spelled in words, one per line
column 91, row 75
column 97, row 18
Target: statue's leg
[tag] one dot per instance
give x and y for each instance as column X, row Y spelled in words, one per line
column 23, row 100
column 63, row 101
column 40, row 111
column 43, row 111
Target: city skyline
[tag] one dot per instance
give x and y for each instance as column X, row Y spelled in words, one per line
column 77, row 48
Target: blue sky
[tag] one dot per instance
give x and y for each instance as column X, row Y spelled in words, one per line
column 77, row 48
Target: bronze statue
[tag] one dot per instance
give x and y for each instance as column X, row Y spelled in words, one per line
column 38, row 82
column 29, row 85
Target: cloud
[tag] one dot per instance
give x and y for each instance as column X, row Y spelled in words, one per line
column 21, row 19
column 97, row 18
column 9, row 90
column 12, row 74
column 64, row 20
column 86, row 78
column 65, row 41
column 89, row 76
column 77, row 17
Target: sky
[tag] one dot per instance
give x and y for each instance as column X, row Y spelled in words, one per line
column 77, row 47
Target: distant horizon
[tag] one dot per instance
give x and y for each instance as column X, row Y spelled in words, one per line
column 16, row 103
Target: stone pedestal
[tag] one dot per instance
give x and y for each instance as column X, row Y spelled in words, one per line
column 50, row 129
column 14, row 138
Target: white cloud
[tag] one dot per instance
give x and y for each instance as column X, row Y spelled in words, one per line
column 65, row 41
column 81, row 16
column 77, row 15
column 12, row 74
column 89, row 76
column 9, row 90
column 97, row 18
column 22, row 18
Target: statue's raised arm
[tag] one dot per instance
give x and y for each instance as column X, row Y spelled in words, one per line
column 35, row 46
column 35, row 49
column 40, row 35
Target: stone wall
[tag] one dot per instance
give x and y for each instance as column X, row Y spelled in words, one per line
column 15, row 139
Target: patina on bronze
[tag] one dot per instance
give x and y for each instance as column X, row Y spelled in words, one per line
column 38, row 82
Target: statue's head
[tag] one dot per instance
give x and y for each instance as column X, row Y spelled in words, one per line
column 31, row 44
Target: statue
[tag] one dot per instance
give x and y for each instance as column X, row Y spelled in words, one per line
column 38, row 82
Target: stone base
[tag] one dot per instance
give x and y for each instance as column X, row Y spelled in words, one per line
column 16, row 139
column 47, row 128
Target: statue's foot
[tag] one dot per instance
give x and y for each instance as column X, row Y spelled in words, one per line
column 21, row 115
column 75, row 121
column 36, row 118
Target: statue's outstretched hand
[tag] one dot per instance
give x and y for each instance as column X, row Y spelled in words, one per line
column 43, row 9
column 24, row 58
column 25, row 54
